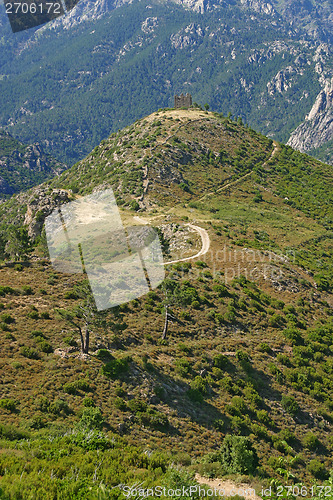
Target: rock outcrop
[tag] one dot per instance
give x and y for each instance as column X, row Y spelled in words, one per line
column 40, row 205
column 22, row 166
column 317, row 129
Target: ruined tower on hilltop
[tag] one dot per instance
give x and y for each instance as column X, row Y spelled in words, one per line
column 183, row 101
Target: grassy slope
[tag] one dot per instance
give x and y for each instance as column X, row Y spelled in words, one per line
column 279, row 317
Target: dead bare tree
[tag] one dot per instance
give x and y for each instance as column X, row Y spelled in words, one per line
column 83, row 316
column 170, row 298
column 169, row 317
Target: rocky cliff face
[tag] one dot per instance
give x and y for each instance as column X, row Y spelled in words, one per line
column 317, row 129
column 23, row 166
column 40, row 205
column 313, row 15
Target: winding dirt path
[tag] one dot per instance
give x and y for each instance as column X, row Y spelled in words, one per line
column 229, row 488
column 205, row 240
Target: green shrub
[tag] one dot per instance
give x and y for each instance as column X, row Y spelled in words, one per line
column 45, row 315
column 195, row 395
column 134, row 205
column 237, row 406
column 201, row 264
column 91, row 440
column 293, row 335
column 184, row 347
column 221, row 290
column 83, row 385
column 91, row 418
column 183, row 367
column 27, row 290
column 120, row 391
column 8, row 404
column 4, row 290
column 242, row 356
column 154, row 419
column 252, row 395
column 7, row 318
column 12, row 433
column 288, row 436
column 237, row 425
column 258, row 197
column 182, row 266
column 59, row 406
column 45, row 347
column 71, row 294
column 116, row 367
column 221, row 361
column 259, row 431
column 78, row 385
column 37, row 334
column 317, row 469
column 237, row 455
column 219, row 318
column 37, row 422
column 217, row 373
column 199, row 384
column 28, row 352
column 230, row 317
column 264, row 347
column 120, row 404
column 33, row 315
column 281, row 446
column 263, row 417
column 310, row 441
column 43, row 404
column 275, row 320
column 70, row 341
column 283, row 359
column 70, row 388
column 88, row 402
column 226, row 384
column 290, row 405
column 104, row 355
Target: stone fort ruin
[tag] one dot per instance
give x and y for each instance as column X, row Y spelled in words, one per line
column 183, row 101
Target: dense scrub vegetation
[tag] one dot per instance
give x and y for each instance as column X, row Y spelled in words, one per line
column 241, row 385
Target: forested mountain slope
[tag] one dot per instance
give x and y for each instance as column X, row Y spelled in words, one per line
column 72, row 82
column 23, row 166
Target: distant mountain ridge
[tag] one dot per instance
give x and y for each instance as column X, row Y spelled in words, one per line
column 267, row 62
column 316, row 17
